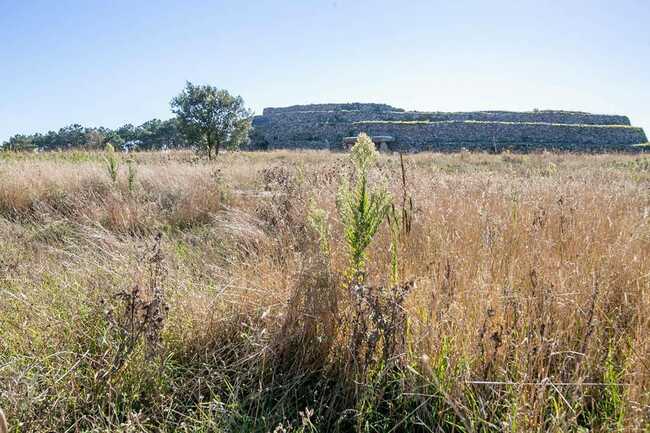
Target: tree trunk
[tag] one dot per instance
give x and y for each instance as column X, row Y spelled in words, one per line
column 216, row 149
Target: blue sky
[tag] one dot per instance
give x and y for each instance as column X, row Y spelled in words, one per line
column 115, row 62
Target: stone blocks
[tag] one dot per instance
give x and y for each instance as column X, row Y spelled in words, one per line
column 325, row 126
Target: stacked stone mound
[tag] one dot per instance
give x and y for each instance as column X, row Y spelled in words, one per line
column 325, row 126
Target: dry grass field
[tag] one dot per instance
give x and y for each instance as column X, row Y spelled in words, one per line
column 187, row 296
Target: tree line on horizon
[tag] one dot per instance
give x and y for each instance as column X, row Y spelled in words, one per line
column 153, row 134
column 207, row 118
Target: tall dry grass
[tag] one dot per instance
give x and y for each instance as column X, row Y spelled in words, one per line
column 527, row 304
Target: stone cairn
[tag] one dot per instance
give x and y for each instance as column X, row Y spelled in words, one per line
column 335, row 126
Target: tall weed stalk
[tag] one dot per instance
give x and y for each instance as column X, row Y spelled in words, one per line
column 111, row 162
column 361, row 208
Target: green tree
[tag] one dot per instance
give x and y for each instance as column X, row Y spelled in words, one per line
column 73, row 136
column 128, row 132
column 19, row 142
column 160, row 134
column 94, row 138
column 212, row 118
column 114, row 138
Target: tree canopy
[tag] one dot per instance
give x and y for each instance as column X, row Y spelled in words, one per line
column 212, row 118
column 153, row 134
column 206, row 117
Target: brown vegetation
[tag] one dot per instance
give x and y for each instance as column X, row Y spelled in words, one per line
column 198, row 296
column 3, row 423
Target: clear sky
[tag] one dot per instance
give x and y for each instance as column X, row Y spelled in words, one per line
column 114, row 62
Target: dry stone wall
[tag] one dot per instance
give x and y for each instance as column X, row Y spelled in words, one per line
column 323, row 126
column 499, row 135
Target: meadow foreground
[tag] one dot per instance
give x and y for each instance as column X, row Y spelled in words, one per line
column 161, row 292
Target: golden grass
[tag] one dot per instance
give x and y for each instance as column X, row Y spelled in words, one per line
column 532, row 273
